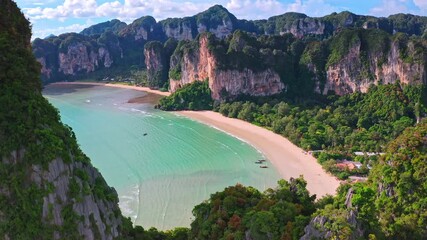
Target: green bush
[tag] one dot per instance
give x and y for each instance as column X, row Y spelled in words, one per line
column 194, row 96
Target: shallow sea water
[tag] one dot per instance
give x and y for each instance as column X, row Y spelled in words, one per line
column 160, row 163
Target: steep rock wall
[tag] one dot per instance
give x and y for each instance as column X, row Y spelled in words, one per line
column 355, row 73
column 98, row 218
column 220, row 31
column 79, row 58
column 202, row 64
column 303, row 27
column 155, row 61
column 188, row 30
column 181, row 32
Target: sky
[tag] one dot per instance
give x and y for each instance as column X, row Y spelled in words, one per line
column 61, row 16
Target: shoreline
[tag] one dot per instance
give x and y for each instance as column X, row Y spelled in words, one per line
column 118, row 85
column 289, row 160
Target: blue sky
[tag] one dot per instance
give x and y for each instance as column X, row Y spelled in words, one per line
column 60, row 16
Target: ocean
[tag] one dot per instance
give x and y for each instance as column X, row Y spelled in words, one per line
column 160, row 163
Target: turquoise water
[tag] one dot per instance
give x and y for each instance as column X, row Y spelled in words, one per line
column 161, row 176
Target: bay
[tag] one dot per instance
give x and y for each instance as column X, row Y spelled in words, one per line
column 161, row 164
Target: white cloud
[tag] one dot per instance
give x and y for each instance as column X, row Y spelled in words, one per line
column 161, row 9
column 37, row 2
column 255, row 9
column 129, row 9
column 422, row 5
column 314, row 8
column 70, row 8
column 59, row 30
column 258, row 9
column 389, row 7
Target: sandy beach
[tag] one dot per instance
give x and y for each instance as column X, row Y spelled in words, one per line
column 289, row 160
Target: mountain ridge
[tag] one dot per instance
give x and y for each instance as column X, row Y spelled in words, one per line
column 111, row 49
column 289, row 17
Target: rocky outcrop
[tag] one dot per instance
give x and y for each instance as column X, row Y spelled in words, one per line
column 216, row 20
column 202, row 64
column 155, row 61
column 97, row 216
column 45, row 70
column 157, row 57
column 303, row 27
column 76, row 59
column 358, row 69
column 79, row 58
column 220, row 31
column 179, row 29
column 319, row 226
column 144, row 28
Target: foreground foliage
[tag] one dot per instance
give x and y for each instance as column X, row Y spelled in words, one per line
column 392, row 204
column 238, row 211
column 31, row 138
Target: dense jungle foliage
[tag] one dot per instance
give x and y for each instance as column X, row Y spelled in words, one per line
column 196, row 96
column 358, row 122
column 392, row 204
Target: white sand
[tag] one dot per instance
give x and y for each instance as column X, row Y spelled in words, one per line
column 287, row 158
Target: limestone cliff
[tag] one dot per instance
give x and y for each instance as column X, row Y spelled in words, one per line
column 347, row 224
column 157, row 57
column 216, row 20
column 398, row 59
column 202, row 64
column 306, row 26
column 123, row 45
column 79, row 58
column 70, row 55
column 143, row 28
column 48, row 187
column 179, row 29
column 154, row 61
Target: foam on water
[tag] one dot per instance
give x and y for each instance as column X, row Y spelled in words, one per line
column 160, row 163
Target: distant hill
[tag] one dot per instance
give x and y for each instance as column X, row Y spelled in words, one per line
column 114, row 26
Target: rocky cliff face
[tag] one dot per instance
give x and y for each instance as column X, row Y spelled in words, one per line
column 320, row 226
column 71, row 201
column 220, row 31
column 70, row 55
column 202, row 64
column 179, row 30
column 216, row 20
column 156, row 63
column 143, row 28
column 358, row 69
column 78, row 58
column 303, row 27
